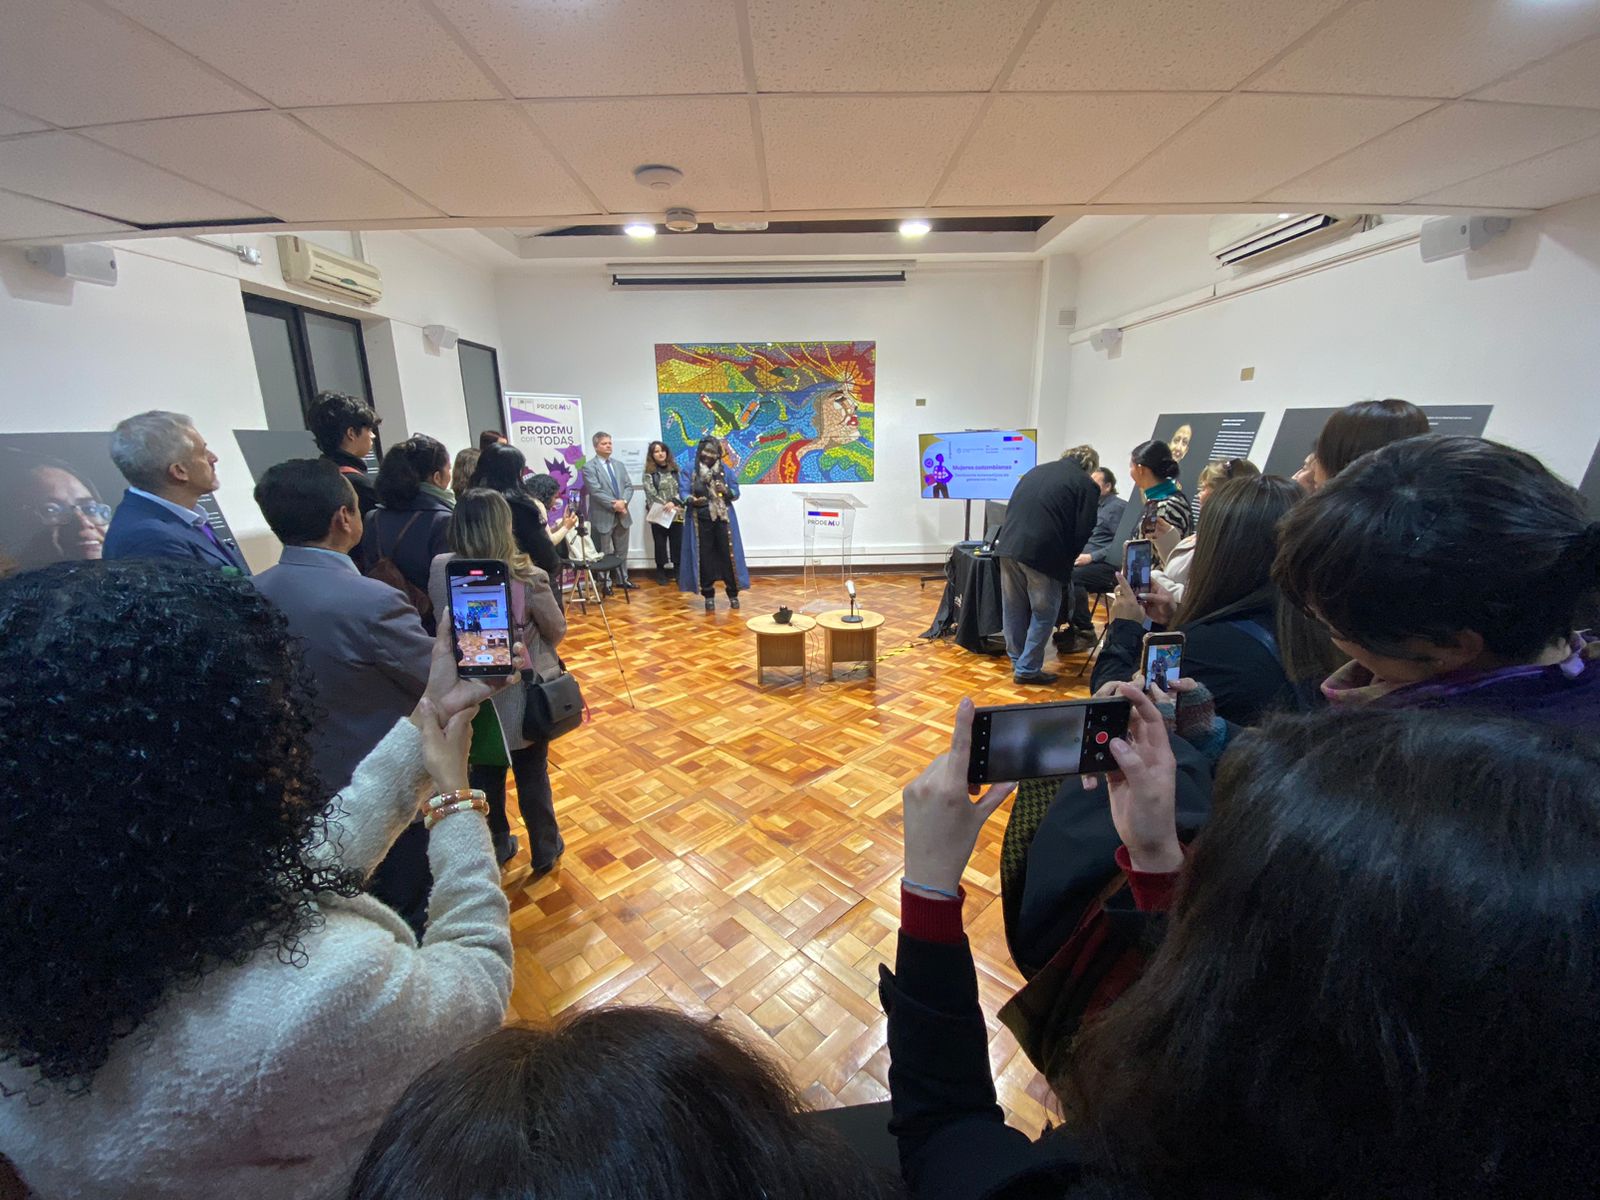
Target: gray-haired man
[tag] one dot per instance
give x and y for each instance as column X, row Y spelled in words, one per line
column 608, row 484
column 168, row 467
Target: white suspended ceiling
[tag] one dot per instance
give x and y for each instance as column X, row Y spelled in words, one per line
column 372, row 113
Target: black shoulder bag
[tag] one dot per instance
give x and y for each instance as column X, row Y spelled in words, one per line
column 550, row 707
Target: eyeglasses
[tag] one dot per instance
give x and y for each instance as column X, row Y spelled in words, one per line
column 52, row 513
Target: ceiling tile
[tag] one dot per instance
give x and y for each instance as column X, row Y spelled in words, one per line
column 73, row 64
column 604, row 47
column 71, row 170
column 1566, row 174
column 1062, row 149
column 708, row 138
column 1454, row 142
column 271, row 161
column 1155, row 45
column 884, row 45
column 1248, row 144
column 298, row 52
column 15, row 122
column 1571, row 77
column 860, row 152
column 25, row 217
column 1427, row 47
column 472, row 159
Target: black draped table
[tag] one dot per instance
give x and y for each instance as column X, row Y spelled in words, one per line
column 970, row 604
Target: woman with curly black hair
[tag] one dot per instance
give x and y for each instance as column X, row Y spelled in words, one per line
column 196, row 998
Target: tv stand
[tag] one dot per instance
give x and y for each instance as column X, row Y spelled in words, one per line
column 924, row 580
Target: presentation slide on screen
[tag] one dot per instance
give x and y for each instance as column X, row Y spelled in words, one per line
column 979, row 464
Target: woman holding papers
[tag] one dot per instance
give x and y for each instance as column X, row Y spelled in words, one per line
column 663, row 508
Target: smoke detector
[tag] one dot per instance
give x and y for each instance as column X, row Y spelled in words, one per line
column 656, row 177
column 682, row 220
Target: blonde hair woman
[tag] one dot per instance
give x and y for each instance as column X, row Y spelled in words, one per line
column 482, row 529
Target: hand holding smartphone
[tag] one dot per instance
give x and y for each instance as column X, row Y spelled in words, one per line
column 1032, row 741
column 480, row 616
column 1162, row 660
column 1138, row 561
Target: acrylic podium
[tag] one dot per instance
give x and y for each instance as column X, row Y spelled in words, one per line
column 827, row 522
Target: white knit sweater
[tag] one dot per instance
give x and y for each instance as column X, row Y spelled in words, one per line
column 268, row 1080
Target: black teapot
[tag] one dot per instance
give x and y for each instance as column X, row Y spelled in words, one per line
column 784, row 615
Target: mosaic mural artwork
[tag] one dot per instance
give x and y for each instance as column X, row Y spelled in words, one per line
column 786, row 412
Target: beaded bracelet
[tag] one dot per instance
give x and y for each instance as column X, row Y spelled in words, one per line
column 434, row 816
column 444, row 798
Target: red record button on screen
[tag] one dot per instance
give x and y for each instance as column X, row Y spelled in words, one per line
column 1101, row 738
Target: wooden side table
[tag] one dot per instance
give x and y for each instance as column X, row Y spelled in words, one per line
column 780, row 645
column 850, row 642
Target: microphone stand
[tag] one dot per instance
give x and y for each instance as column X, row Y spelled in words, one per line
column 854, row 618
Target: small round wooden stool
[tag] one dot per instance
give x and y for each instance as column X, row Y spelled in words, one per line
column 780, row 645
column 849, row 641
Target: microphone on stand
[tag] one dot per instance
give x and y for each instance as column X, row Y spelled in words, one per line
column 850, row 590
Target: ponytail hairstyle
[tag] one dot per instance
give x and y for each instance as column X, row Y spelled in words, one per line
column 1412, row 541
column 407, row 466
column 1157, row 457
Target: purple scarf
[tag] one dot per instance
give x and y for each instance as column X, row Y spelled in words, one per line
column 1564, row 693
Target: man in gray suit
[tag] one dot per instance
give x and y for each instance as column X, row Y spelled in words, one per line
column 609, row 486
column 364, row 646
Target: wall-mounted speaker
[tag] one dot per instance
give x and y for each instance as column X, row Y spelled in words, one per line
column 441, row 337
column 1106, row 339
column 1446, row 237
column 88, row 262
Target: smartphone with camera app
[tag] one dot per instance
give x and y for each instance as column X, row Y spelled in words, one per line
column 480, row 615
column 1138, row 560
column 1031, row 741
column 1162, row 659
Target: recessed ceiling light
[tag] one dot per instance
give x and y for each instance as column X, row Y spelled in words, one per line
column 639, row 229
column 915, row 227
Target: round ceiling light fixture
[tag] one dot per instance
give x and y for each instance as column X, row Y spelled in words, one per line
column 656, row 176
column 914, row 227
column 682, row 220
column 639, row 229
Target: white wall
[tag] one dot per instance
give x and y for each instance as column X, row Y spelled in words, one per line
column 962, row 337
column 1516, row 325
column 171, row 334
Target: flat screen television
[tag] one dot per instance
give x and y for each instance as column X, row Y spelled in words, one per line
column 977, row 464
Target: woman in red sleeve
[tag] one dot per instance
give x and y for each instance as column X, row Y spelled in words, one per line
column 1378, row 977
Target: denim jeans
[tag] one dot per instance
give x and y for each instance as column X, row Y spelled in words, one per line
column 1030, row 603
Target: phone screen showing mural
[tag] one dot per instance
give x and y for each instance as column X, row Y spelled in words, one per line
column 480, row 616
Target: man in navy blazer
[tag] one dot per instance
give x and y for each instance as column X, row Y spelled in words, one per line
column 364, row 647
column 168, row 467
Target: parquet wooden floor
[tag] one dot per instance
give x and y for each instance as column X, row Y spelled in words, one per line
column 735, row 849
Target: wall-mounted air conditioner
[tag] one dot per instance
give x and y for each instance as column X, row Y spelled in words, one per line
column 1238, row 237
column 314, row 266
column 659, row 275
